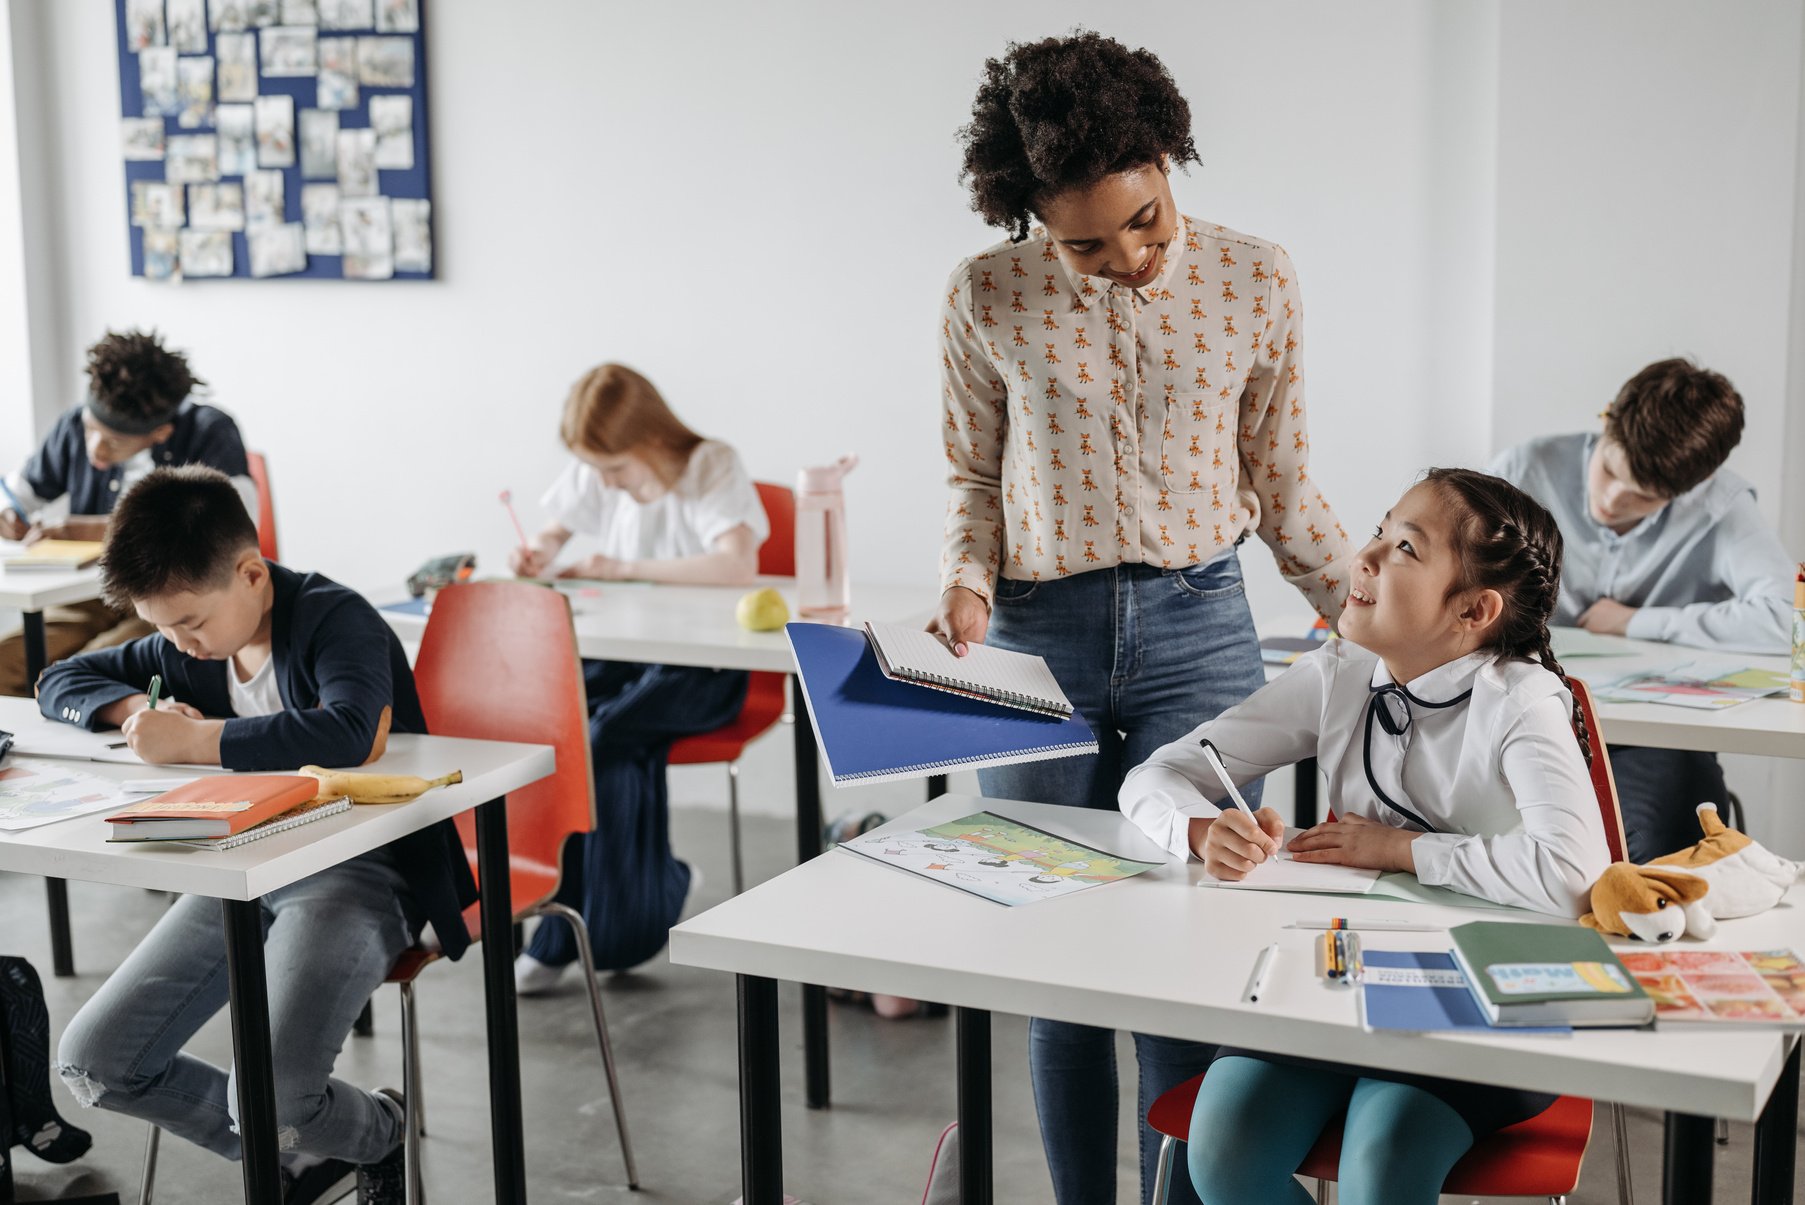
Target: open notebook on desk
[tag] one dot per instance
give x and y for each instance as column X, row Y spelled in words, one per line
column 51, row 739
column 1282, row 872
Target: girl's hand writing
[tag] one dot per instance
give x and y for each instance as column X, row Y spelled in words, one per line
column 529, row 562
column 1357, row 841
column 1233, row 842
column 962, row 619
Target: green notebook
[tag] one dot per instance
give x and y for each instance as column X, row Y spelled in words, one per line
column 1547, row 975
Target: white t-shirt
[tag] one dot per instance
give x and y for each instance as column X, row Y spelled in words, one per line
column 712, row 497
column 259, row 696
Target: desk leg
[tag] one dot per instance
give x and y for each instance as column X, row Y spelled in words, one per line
column 62, row 954
column 251, row 1052
column 1303, row 793
column 1689, row 1148
column 808, row 845
column 761, row 1120
column 974, row 1107
column 62, row 948
column 1776, row 1134
column 506, row 1134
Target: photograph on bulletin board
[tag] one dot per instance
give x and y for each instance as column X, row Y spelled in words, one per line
column 275, row 139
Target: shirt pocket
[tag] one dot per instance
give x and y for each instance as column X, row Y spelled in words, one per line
column 1197, row 442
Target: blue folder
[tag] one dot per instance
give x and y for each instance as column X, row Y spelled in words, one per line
column 1444, row 1004
column 872, row 728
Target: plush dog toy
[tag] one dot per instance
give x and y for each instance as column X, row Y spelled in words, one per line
column 1685, row 894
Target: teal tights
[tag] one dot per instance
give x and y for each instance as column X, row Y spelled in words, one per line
column 1255, row 1121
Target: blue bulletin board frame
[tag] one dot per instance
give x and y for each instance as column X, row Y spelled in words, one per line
column 413, row 183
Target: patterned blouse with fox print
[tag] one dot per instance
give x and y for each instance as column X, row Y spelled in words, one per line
column 1089, row 425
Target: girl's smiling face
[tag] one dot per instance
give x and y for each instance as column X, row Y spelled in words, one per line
column 1403, row 604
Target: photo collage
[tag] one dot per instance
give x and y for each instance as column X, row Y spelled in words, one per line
column 268, row 138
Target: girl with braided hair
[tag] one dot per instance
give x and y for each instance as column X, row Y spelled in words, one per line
column 1447, row 731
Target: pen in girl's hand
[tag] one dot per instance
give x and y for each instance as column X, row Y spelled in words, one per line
column 1209, row 753
column 156, row 688
column 1262, row 970
column 507, row 500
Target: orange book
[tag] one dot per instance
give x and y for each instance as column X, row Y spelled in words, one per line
column 218, row 806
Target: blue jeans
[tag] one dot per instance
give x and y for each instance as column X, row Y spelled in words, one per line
column 623, row 877
column 328, row 943
column 1145, row 655
column 1255, row 1121
column 1660, row 790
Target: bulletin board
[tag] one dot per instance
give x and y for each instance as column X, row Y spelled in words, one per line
column 276, row 139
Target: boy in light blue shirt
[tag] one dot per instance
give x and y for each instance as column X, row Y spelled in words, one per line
column 1662, row 543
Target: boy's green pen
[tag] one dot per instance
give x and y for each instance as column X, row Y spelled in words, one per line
column 156, row 688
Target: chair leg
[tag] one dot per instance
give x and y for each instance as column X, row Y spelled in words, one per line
column 413, row 1123
column 1620, row 1136
column 1162, row 1176
column 570, row 917
column 1322, row 1192
column 147, row 1179
column 733, row 825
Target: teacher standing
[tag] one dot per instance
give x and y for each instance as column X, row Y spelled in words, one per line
column 1123, row 405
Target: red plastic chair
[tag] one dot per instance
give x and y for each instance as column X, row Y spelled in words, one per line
column 1540, row 1157
column 765, row 694
column 498, row 661
column 266, row 505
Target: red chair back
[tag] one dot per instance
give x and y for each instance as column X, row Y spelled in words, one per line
column 777, row 555
column 1603, row 781
column 499, row 662
column 266, row 505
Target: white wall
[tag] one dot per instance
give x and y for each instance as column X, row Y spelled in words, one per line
column 757, row 205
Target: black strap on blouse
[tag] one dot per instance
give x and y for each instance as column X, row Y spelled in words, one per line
column 1379, row 707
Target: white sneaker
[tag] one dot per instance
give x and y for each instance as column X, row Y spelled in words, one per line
column 692, row 898
column 535, row 978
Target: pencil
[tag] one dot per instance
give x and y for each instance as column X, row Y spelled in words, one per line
column 507, row 500
column 156, row 688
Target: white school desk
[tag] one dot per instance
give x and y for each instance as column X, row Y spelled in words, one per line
column 1772, row 727
column 77, row 849
column 32, row 591
column 696, row 625
column 1105, row 956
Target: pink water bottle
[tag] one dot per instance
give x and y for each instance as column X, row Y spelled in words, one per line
column 823, row 589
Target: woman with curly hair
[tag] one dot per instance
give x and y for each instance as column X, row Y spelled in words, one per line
column 1122, row 406
column 139, row 414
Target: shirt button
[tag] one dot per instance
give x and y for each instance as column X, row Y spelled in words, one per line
column 113, row 485
column 1128, row 512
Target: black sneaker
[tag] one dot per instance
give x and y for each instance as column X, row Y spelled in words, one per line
column 324, row 1181
column 384, row 1182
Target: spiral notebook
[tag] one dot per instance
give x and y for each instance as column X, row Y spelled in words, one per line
column 306, row 813
column 1017, row 680
column 872, row 728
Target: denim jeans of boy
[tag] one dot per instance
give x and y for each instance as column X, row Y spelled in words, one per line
column 1660, row 790
column 328, row 943
column 1145, row 655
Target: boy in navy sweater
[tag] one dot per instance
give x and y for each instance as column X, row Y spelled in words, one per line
column 266, row 669
column 1662, row 543
column 138, row 416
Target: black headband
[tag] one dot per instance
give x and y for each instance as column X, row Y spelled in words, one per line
column 127, row 424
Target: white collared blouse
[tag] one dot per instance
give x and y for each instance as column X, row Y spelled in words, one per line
column 1087, row 424
column 1481, row 750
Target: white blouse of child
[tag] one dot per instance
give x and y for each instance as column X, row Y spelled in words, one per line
column 712, row 497
column 1481, row 751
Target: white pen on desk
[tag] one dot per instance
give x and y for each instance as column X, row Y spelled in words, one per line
column 1262, row 970
column 1377, row 926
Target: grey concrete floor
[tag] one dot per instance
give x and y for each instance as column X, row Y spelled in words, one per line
column 673, row 1031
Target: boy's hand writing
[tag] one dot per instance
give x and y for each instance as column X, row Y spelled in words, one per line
column 1607, row 617
column 1233, row 842
column 167, row 737
column 1357, row 841
column 115, row 714
column 12, row 525
column 962, row 619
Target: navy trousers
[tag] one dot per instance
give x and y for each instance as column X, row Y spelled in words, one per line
column 623, row 877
